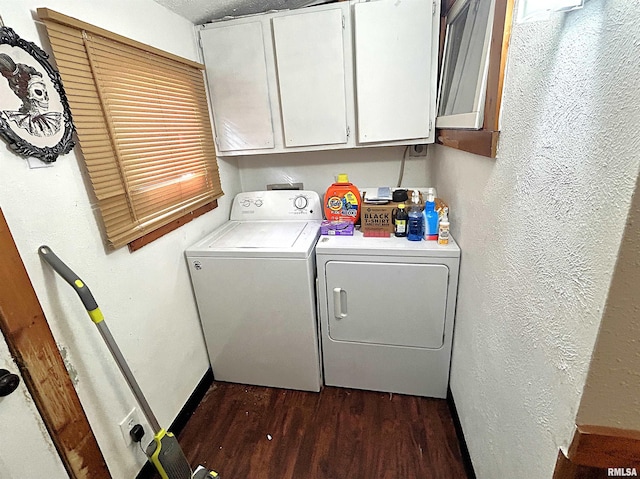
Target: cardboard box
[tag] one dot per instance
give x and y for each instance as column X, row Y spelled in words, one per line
column 378, row 219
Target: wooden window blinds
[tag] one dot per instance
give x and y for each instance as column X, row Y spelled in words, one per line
column 143, row 125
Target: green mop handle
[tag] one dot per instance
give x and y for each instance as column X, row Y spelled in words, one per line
column 96, row 316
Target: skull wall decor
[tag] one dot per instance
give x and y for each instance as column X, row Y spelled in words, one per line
column 41, row 126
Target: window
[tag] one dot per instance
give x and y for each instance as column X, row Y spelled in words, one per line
column 484, row 140
column 143, row 126
column 464, row 68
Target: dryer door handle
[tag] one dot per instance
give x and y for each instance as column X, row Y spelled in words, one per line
column 339, row 306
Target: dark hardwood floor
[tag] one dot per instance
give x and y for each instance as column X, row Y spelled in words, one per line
column 251, row 432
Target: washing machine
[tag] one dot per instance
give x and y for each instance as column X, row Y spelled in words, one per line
column 254, row 284
column 387, row 311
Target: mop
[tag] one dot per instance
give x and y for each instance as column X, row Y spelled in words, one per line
column 163, row 452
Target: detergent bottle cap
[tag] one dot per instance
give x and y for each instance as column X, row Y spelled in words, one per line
column 401, row 206
column 343, row 178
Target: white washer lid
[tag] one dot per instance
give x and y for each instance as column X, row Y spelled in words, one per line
column 259, row 234
column 275, row 239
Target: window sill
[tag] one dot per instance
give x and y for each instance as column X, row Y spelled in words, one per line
column 175, row 224
column 479, row 142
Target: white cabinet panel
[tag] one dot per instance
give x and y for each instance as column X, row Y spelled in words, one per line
column 396, row 304
column 286, row 81
column 311, row 77
column 393, row 48
column 237, row 77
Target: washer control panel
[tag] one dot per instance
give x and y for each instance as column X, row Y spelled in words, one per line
column 276, row 205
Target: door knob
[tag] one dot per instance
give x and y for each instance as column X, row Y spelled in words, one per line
column 8, row 382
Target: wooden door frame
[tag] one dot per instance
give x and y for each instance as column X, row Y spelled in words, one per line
column 34, row 349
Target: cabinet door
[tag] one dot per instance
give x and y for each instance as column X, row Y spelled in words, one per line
column 398, row 304
column 237, row 78
column 311, row 77
column 393, row 69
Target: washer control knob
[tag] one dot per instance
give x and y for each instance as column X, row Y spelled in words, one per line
column 258, row 203
column 246, row 203
column 300, row 202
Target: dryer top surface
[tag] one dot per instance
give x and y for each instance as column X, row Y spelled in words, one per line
column 358, row 244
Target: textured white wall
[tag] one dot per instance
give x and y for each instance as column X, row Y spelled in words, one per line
column 317, row 169
column 539, row 229
column 146, row 295
column 611, row 394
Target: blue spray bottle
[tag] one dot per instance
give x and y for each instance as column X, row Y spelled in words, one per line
column 430, row 219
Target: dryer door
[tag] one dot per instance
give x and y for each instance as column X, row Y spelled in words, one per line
column 400, row 304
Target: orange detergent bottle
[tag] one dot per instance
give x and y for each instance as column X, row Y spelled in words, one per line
column 342, row 201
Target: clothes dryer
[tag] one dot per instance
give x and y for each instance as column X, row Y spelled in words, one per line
column 387, row 308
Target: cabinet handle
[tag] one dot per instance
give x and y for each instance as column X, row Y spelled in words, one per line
column 338, row 311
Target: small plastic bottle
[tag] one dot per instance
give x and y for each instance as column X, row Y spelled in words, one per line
column 400, row 221
column 415, row 222
column 443, row 228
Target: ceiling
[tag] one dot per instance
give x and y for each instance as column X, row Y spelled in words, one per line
column 203, row 11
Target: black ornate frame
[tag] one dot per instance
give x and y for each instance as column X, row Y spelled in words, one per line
column 19, row 144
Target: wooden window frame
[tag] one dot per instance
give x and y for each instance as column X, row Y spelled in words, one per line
column 483, row 142
column 48, row 15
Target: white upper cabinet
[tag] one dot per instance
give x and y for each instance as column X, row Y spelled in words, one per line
column 311, row 77
column 393, row 45
column 287, row 81
column 238, row 86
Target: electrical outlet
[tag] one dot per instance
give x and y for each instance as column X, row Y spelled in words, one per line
column 127, row 423
column 418, row 150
